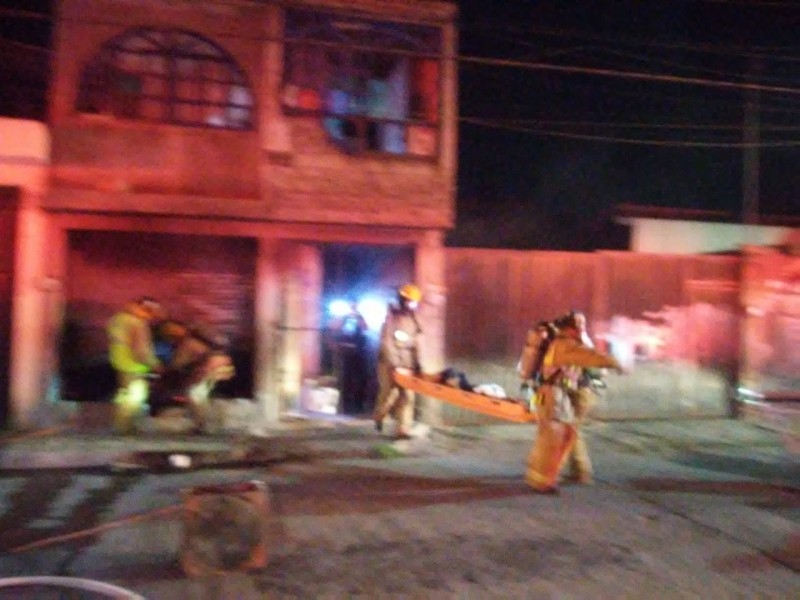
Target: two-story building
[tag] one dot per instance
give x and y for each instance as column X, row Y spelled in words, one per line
column 241, row 161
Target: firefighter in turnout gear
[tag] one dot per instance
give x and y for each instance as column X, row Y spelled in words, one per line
column 198, row 362
column 529, row 367
column 399, row 349
column 565, row 359
column 582, row 397
column 132, row 355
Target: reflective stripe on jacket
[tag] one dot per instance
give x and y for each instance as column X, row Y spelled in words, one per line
column 130, row 344
column 399, row 341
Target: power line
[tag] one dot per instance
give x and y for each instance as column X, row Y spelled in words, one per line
column 504, row 28
column 575, row 70
column 646, row 59
column 25, row 14
column 630, row 75
column 751, row 3
column 24, row 45
column 622, row 140
column 632, row 124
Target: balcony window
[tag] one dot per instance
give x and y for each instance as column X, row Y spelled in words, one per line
column 166, row 76
column 374, row 85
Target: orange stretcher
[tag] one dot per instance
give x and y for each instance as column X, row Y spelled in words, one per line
column 506, row 409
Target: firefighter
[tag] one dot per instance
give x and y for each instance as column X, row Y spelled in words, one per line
column 529, row 366
column 582, row 397
column 198, row 362
column 563, row 362
column 398, row 349
column 132, row 354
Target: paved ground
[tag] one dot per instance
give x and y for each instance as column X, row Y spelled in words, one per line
column 680, row 510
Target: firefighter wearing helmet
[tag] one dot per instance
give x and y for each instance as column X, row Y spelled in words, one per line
column 398, row 349
column 132, row 355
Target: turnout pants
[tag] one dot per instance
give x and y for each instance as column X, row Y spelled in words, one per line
column 553, row 444
column 129, row 401
column 393, row 400
column 580, row 465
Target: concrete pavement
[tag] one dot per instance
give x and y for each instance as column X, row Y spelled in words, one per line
column 685, row 509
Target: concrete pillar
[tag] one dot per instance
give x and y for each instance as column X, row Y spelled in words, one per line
column 25, row 151
column 276, row 138
column 38, row 317
column 302, row 290
column 266, row 309
column 430, row 275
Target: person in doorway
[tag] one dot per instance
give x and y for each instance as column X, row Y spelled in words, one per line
column 132, row 355
column 350, row 361
column 562, row 364
column 398, row 349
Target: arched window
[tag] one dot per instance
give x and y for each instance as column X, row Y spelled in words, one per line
column 166, row 76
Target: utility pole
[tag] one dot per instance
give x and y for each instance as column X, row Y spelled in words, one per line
column 751, row 154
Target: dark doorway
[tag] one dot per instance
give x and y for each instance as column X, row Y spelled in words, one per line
column 367, row 277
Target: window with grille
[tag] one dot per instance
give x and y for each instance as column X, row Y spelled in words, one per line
column 374, row 85
column 166, row 76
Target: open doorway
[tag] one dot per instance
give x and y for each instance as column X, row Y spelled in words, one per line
column 364, row 278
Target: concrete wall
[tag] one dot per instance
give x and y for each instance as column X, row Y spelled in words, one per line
column 285, row 170
column 280, row 185
column 665, row 236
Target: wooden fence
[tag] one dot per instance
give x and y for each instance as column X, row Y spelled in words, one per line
column 654, row 311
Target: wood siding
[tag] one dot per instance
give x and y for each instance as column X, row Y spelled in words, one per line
column 494, row 296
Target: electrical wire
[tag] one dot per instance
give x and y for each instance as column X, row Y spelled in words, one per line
column 629, row 75
column 24, row 45
column 25, row 14
column 775, row 93
column 506, row 29
column 622, row 140
column 635, row 124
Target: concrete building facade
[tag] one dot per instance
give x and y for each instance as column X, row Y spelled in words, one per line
column 219, row 156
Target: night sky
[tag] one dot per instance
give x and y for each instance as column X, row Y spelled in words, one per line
column 548, row 147
column 570, row 108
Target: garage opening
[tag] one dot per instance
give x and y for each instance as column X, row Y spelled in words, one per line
column 202, row 281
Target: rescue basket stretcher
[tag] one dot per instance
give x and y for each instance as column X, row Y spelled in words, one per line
column 507, row 409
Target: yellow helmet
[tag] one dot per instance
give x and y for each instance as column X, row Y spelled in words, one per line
column 410, row 292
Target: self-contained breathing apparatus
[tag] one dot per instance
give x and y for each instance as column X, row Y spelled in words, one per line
column 529, row 367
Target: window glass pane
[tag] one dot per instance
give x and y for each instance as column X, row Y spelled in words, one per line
column 166, row 75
